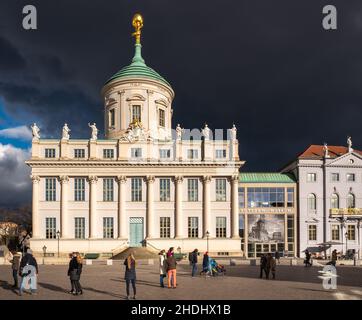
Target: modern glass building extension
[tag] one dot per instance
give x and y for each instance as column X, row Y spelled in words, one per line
column 267, row 214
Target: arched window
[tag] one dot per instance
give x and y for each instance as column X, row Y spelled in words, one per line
column 312, row 202
column 334, row 201
column 351, row 201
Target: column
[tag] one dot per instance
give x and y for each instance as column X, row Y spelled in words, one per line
column 93, row 207
column 35, row 207
column 122, row 218
column 206, row 206
column 150, row 208
column 285, row 232
column 64, row 218
column 235, row 207
column 178, row 208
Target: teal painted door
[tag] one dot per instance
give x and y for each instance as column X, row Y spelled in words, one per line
column 135, row 232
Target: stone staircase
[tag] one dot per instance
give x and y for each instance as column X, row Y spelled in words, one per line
column 138, row 252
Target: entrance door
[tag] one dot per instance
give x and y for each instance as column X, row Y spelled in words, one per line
column 135, row 232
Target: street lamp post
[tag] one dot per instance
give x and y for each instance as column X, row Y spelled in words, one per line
column 346, row 235
column 45, row 250
column 58, row 237
column 207, row 240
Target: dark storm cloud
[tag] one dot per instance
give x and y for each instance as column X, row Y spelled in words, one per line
column 267, row 66
column 10, row 57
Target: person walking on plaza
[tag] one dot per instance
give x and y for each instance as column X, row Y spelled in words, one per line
column 162, row 260
column 270, row 266
column 206, row 264
column 277, row 256
column 171, row 268
column 28, row 271
column 307, row 258
column 193, row 262
column 130, row 274
column 263, row 263
column 334, row 257
column 15, row 266
column 74, row 272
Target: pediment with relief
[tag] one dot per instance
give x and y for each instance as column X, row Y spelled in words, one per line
column 136, row 97
column 349, row 159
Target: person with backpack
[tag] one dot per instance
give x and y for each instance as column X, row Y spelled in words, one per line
column 193, row 261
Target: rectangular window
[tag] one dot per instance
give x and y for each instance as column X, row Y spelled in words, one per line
column 220, row 189
column 335, row 232
column 312, row 232
column 79, row 153
column 79, row 228
column 192, row 154
column 351, row 230
column 161, row 114
column 165, row 227
column 193, row 227
column 50, row 189
column 165, row 189
column 136, row 152
column 220, row 154
column 108, row 153
column 136, row 113
column 290, row 226
column 50, row 228
column 79, row 189
column 351, row 177
column 265, row 197
column 290, row 195
column 334, row 177
column 241, row 197
column 311, row 177
column 49, row 153
column 165, row 153
column 112, row 118
column 108, row 229
column 108, row 189
column 220, row 227
column 193, row 189
column 136, row 189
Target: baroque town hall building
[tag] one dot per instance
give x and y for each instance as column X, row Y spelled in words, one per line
column 142, row 184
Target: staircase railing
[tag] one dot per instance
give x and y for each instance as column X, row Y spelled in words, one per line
column 120, row 248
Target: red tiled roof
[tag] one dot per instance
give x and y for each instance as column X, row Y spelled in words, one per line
column 316, row 151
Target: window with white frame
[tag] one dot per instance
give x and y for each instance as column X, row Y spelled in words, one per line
column 220, row 227
column 165, row 153
column 79, row 189
column 136, row 152
column 351, row 232
column 108, row 189
column 193, row 227
column 351, row 177
column 136, row 113
column 312, row 232
column 220, row 189
column 165, row 189
column 335, row 177
column 161, row 117
column 192, row 153
column 220, row 154
column 335, row 232
column 50, row 189
column 312, row 203
column 79, row 153
column 165, row 227
column 49, row 153
column 112, row 118
column 136, row 189
column 311, row 177
column 108, row 153
column 79, row 228
column 290, row 197
column 108, row 228
column 50, row 228
column 334, row 201
column 193, row 189
column 351, row 203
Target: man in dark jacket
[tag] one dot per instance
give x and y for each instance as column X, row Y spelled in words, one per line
column 171, row 268
column 193, row 261
column 28, row 272
column 263, row 262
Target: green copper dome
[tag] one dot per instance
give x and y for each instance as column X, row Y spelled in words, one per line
column 138, row 69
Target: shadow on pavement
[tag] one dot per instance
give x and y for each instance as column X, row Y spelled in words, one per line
column 103, row 292
column 7, row 286
column 52, row 287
